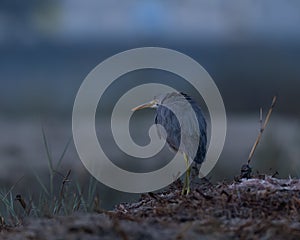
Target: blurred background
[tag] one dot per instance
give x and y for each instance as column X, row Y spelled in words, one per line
column 250, row 48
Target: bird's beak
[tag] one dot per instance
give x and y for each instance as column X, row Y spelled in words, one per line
column 145, row 105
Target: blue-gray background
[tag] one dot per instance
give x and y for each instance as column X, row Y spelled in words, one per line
column 250, row 48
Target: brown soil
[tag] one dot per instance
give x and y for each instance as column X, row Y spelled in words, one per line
column 260, row 208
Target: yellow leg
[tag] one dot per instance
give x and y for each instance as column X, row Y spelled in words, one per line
column 186, row 186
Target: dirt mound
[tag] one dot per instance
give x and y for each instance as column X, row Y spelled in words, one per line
column 266, row 208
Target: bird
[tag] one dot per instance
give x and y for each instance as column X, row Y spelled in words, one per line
column 181, row 102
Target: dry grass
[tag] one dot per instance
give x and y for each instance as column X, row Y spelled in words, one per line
column 70, row 197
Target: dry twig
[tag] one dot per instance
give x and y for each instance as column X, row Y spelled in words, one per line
column 262, row 128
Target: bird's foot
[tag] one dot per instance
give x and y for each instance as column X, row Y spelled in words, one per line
column 186, row 186
column 185, row 191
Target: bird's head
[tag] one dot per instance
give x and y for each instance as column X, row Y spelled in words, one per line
column 152, row 104
column 159, row 100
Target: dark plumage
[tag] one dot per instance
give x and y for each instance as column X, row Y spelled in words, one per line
column 167, row 119
column 193, row 133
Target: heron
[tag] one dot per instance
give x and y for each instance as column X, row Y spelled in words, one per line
column 172, row 131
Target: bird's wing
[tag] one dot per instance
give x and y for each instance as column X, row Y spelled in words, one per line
column 194, row 129
column 194, row 133
column 193, row 138
column 169, row 128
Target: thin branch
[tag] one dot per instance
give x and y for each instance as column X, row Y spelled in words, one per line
column 263, row 127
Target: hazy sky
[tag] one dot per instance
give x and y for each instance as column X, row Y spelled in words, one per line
column 191, row 18
column 78, row 20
